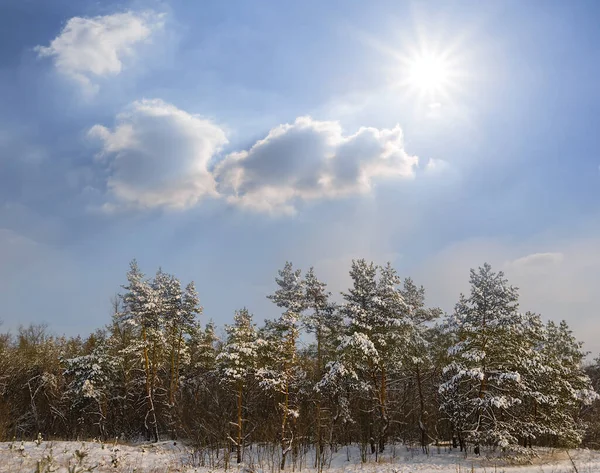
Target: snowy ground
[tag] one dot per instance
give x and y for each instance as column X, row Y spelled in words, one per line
column 167, row 457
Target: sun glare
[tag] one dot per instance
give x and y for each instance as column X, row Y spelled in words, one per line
column 428, row 74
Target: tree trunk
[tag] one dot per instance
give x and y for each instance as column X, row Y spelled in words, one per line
column 384, row 421
column 284, row 447
column 177, row 361
column 174, row 381
column 171, row 374
column 149, row 390
column 239, row 423
column 422, row 426
column 288, row 366
column 319, row 449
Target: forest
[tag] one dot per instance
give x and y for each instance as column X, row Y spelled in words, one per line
column 378, row 368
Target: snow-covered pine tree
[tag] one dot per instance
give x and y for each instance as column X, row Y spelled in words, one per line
column 200, row 387
column 142, row 310
column 171, row 298
column 358, row 357
column 180, row 311
column 528, row 342
column 346, row 375
column 590, row 414
column 324, row 321
column 391, row 338
column 376, row 336
column 561, row 388
column 91, row 382
column 165, row 339
column 205, row 346
column 122, row 335
column 484, row 384
column 236, row 363
column 281, row 371
column 418, row 359
column 191, row 340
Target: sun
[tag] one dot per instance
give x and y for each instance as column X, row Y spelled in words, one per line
column 434, row 76
column 429, row 74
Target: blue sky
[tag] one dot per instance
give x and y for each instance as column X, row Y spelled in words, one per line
column 220, row 139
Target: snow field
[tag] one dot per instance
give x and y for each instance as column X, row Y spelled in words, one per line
column 170, row 457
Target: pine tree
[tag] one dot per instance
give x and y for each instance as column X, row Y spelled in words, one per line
column 182, row 309
column 562, row 387
column 324, row 321
column 485, row 383
column 390, row 338
column 376, row 335
column 122, row 337
column 91, row 382
column 142, row 310
column 418, row 356
column 282, row 370
column 237, row 362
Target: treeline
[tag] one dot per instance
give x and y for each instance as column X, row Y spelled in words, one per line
column 379, row 367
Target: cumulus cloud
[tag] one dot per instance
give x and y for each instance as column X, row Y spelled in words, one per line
column 158, row 156
column 88, row 48
column 309, row 160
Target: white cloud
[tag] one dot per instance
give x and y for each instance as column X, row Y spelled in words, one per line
column 536, row 261
column 88, row 48
column 309, row 160
column 436, row 165
column 158, row 155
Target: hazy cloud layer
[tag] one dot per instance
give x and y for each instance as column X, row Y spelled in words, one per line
column 157, row 156
column 562, row 283
column 15, row 251
column 88, row 48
